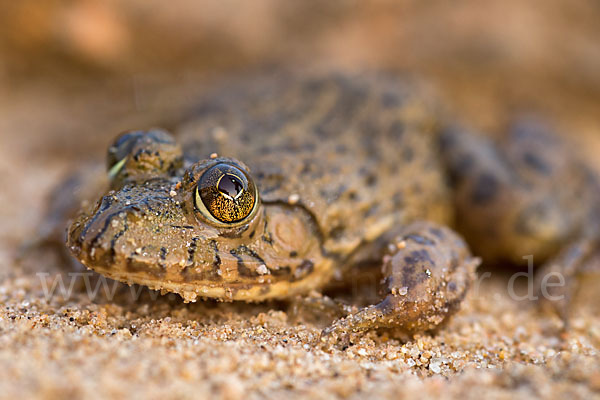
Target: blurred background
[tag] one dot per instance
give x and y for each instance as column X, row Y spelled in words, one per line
column 74, row 73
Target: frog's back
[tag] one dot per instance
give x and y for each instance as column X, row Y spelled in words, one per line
column 359, row 152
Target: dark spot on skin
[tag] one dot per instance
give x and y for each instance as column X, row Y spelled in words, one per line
column 413, row 272
column 116, row 237
column 454, row 262
column 347, row 103
column 242, row 268
column 141, row 152
column 452, row 286
column 419, row 256
column 304, row 269
column 265, row 289
column 163, row 256
column 437, row 233
column 408, row 154
column 337, row 232
column 369, row 145
column 341, row 149
column 536, row 163
column 217, row 261
column 245, row 250
column 192, row 247
column 397, row 129
column 293, row 253
column 309, row 146
column 332, row 194
column 371, row 179
column 205, row 274
column 372, row 210
column 306, row 167
column 420, row 239
column 389, row 100
column 267, row 238
column 252, row 234
column 485, row 190
column 398, row 200
column 104, row 205
column 461, row 169
column 107, row 222
column 282, row 271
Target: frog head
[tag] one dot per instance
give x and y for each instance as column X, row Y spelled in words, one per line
column 200, row 231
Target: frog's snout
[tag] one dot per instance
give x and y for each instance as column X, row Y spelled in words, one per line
column 127, row 227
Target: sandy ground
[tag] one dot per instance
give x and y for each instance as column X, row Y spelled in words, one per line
column 67, row 86
column 68, row 333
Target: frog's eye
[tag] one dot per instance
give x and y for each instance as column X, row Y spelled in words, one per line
column 226, row 195
column 119, row 151
column 153, row 150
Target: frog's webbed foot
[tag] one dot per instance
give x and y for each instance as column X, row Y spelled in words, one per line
column 427, row 272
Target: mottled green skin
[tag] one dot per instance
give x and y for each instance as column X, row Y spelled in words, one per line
column 346, row 168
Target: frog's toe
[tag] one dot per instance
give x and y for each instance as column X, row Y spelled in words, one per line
column 427, row 273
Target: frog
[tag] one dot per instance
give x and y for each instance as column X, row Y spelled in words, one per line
column 275, row 187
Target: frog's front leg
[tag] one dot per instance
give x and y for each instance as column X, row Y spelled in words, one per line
column 427, row 272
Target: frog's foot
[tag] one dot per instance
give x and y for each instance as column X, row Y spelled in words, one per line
column 559, row 279
column 427, row 272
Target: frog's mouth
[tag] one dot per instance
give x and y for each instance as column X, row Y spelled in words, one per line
column 149, row 234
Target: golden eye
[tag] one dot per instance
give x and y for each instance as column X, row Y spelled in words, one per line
column 226, row 195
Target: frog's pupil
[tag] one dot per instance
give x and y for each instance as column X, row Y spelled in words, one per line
column 231, row 185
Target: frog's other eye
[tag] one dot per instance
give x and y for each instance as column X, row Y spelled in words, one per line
column 226, row 195
column 143, row 151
